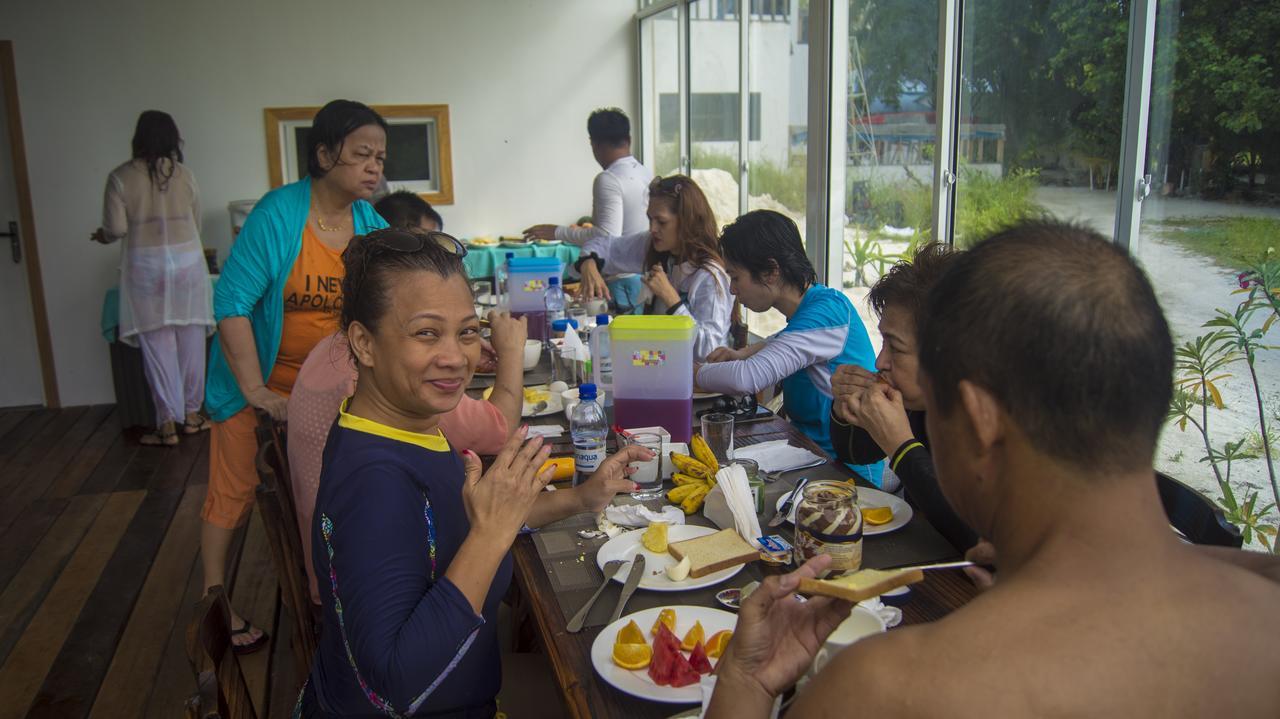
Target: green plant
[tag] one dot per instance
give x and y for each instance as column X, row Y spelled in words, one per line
column 860, row 254
column 986, row 203
column 1200, row 364
column 1229, row 241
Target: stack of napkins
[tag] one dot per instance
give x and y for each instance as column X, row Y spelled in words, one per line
column 776, row 456
column 731, row 505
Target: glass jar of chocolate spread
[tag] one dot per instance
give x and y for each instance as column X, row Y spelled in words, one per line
column 829, row 522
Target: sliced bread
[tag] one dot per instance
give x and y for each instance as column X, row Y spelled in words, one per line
column 713, row 552
column 864, row 584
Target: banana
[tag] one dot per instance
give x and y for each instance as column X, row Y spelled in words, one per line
column 681, row 479
column 702, row 452
column 691, row 466
column 693, row 502
column 678, row 494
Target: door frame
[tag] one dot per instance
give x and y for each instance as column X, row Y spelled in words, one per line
column 27, row 223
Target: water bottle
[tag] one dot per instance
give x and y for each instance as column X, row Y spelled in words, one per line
column 500, row 272
column 589, row 428
column 554, row 301
column 601, row 359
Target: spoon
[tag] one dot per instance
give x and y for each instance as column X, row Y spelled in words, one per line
column 575, row 624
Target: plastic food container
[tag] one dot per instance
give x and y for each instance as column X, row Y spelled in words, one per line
column 653, row 372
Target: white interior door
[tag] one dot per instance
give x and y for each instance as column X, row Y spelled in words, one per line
column 20, row 382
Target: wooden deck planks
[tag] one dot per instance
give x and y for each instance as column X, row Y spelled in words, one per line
column 30, row 472
column 17, row 439
column 158, row 612
column 26, row 666
column 22, row 595
column 87, row 456
column 256, row 597
column 11, row 418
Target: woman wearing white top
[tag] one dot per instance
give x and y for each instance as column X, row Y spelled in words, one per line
column 685, row 274
column 152, row 203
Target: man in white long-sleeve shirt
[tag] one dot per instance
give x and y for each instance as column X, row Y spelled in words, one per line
column 620, row 196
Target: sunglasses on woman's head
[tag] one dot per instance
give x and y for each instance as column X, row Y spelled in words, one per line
column 408, row 241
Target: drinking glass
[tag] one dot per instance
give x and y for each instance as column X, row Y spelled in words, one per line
column 579, row 315
column 483, row 290
column 717, row 430
column 648, row 477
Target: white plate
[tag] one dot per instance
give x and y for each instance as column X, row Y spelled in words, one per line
column 869, row 498
column 554, row 403
column 636, row 682
column 626, row 545
column 706, row 395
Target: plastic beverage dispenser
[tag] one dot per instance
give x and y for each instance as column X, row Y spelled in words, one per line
column 527, row 290
column 653, row 372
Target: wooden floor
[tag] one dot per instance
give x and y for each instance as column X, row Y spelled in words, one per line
column 99, row 571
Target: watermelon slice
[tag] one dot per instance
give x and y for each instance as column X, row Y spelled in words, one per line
column 685, row 674
column 666, row 650
column 698, row 659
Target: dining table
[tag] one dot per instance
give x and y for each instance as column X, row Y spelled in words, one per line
column 555, row 571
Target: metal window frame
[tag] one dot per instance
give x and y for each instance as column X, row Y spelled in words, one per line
column 744, row 105
column 825, row 181
column 1134, row 183
column 946, row 161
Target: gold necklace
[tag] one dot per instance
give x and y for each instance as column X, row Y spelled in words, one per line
column 321, row 225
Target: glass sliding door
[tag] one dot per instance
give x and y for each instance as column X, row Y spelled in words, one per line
column 1208, row 237
column 1041, row 100
column 661, row 126
column 714, row 114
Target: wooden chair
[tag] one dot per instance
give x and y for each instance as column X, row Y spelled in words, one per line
column 275, row 502
column 223, row 692
column 1194, row 515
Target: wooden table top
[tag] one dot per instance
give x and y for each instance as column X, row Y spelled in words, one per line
column 586, row 695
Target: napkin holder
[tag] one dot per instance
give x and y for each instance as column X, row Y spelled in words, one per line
column 716, row 509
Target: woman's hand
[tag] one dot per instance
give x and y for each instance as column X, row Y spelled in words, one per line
column 879, row 410
column 724, row 354
column 849, row 379
column 776, row 638
column 611, row 478
column 508, row 334
column 593, row 284
column 268, row 401
column 660, row 285
column 498, row 501
column 99, row 236
column 540, row 232
column 983, row 552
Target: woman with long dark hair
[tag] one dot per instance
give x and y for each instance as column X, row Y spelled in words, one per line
column 685, row 274
column 152, row 204
column 280, row 293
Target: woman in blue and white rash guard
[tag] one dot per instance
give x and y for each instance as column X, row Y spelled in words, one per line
column 768, row 268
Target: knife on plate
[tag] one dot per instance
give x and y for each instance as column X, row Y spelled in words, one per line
column 633, row 581
column 785, row 509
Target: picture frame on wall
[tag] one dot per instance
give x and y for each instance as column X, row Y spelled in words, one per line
column 419, row 157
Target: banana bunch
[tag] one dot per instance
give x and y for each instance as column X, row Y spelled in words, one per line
column 695, row 477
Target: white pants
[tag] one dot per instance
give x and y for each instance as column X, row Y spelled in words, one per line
column 173, row 358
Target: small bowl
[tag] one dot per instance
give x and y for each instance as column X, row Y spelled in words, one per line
column 569, row 399
column 532, row 353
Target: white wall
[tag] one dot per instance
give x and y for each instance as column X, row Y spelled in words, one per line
column 519, row 76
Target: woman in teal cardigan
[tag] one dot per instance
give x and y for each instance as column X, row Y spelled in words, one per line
column 280, row 294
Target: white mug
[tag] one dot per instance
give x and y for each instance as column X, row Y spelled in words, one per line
column 860, row 623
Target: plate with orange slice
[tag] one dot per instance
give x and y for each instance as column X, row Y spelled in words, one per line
column 881, row 512
column 661, row 654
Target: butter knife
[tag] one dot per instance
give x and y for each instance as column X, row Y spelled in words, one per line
column 785, row 509
column 610, row 568
column 633, row 581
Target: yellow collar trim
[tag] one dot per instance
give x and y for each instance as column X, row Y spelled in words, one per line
column 433, row 442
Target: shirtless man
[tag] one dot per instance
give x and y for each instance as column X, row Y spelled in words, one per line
column 1046, row 364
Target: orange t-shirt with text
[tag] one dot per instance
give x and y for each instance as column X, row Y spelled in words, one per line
column 312, row 304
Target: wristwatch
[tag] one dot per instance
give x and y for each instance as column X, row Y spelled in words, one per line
column 594, row 257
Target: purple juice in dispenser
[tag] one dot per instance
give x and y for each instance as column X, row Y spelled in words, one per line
column 673, row 415
column 537, row 323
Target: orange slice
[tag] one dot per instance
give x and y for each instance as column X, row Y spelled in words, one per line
column 694, row 636
column 717, row 643
column 632, row 656
column 877, row 515
column 667, row 617
column 630, row 634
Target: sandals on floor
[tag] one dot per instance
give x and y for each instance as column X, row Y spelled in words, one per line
column 251, row 647
column 189, row 427
column 159, row 439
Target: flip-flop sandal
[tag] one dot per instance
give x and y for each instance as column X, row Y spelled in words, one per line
column 159, row 439
column 196, row 427
column 251, row 647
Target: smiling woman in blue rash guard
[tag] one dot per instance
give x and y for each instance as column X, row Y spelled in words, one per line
column 768, row 269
